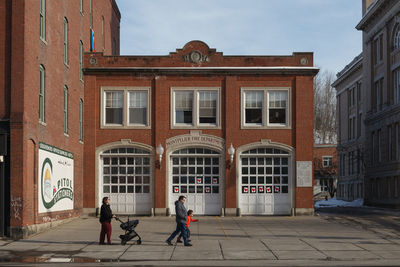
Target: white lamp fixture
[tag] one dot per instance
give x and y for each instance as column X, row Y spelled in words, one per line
column 160, row 152
column 231, row 152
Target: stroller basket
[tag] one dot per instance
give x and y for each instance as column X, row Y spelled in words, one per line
column 130, row 233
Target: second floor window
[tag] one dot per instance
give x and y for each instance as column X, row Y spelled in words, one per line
column 126, row 107
column 378, row 95
column 196, row 107
column 138, row 107
column 377, row 48
column 114, row 107
column 265, row 107
column 327, row 161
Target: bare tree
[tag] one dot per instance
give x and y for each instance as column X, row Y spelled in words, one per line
column 324, row 108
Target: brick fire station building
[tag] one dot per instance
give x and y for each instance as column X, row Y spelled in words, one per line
column 232, row 133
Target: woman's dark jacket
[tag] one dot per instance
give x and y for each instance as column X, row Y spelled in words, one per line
column 105, row 213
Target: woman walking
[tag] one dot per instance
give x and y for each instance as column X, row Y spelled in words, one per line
column 105, row 220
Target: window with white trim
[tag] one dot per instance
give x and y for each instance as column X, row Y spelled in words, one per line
column 43, row 19
column 114, row 107
column 80, row 119
column 126, row 107
column 197, row 107
column 65, row 41
column 137, row 107
column 327, row 161
column 81, row 60
column 81, row 6
column 41, row 94
column 65, row 109
column 265, row 107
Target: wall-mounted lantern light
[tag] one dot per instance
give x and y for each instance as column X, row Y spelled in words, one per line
column 160, row 152
column 231, row 152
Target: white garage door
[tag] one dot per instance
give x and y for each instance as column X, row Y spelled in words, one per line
column 196, row 174
column 126, row 178
column 265, row 186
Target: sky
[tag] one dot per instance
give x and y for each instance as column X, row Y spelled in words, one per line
column 245, row 27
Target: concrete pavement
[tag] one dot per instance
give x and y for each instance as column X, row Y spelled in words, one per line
column 228, row 241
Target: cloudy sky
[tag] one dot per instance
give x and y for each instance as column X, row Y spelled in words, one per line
column 240, row 27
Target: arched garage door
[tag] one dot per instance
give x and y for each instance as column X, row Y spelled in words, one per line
column 126, row 178
column 196, row 174
column 264, row 182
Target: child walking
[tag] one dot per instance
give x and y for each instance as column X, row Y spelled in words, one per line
column 189, row 220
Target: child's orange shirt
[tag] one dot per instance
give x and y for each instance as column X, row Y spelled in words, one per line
column 190, row 219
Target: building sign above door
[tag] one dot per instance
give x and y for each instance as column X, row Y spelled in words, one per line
column 195, row 138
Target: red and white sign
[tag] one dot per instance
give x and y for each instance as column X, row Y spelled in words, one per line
column 199, row 180
column 269, row 189
column 208, row 189
column 253, row 189
column 215, row 181
column 176, row 189
column 276, row 189
column 261, row 189
column 245, row 189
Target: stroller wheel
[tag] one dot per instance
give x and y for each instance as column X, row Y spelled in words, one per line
column 123, row 242
column 139, row 242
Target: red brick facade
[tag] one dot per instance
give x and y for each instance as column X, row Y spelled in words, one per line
column 208, row 69
column 19, row 93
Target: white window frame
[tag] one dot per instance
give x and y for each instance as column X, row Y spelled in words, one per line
column 42, row 94
column 66, row 61
column 265, row 108
column 195, row 108
column 65, row 110
column 81, row 60
column 81, row 120
column 125, row 108
column 326, row 160
column 147, row 107
column 42, row 33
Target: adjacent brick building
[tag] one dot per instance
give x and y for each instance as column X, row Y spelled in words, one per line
column 41, row 100
column 325, row 168
column 232, row 133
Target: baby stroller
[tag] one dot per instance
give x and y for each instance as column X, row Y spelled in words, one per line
column 129, row 228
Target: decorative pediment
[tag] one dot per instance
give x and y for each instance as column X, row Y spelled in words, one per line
column 196, row 57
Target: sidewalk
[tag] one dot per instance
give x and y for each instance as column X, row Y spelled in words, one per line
column 229, row 241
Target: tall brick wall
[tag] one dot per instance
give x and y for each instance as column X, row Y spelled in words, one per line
column 28, row 52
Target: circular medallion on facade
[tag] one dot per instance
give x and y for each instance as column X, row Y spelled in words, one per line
column 93, row 61
column 303, row 61
column 195, row 56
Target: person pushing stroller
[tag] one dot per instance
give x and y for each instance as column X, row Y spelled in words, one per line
column 188, row 221
column 181, row 219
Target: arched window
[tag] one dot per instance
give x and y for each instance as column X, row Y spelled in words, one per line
column 396, row 37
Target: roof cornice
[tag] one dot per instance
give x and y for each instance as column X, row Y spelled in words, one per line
column 206, row 70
